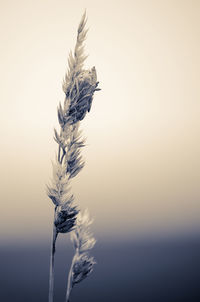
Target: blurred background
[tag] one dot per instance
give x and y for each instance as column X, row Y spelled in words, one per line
column 142, row 173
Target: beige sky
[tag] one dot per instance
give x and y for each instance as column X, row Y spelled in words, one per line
column 142, row 170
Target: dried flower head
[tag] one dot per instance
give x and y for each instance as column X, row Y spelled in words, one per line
column 79, row 85
column 76, row 61
column 65, row 212
column 82, row 263
column 82, row 237
column 82, row 267
column 65, row 218
column 81, row 95
column 59, row 189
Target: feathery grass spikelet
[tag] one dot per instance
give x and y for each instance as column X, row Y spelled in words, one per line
column 82, row 267
column 79, row 86
column 59, row 192
column 84, row 241
column 82, row 237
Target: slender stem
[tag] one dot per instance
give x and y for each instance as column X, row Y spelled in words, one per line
column 69, row 283
column 51, row 273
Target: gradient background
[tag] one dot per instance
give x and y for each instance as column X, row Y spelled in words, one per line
column 142, row 173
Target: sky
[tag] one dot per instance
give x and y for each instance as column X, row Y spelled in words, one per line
column 142, row 169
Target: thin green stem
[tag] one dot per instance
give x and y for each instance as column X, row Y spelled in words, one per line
column 51, row 273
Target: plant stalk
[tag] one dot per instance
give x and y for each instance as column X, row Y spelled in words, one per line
column 69, row 285
column 69, row 282
column 51, row 273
